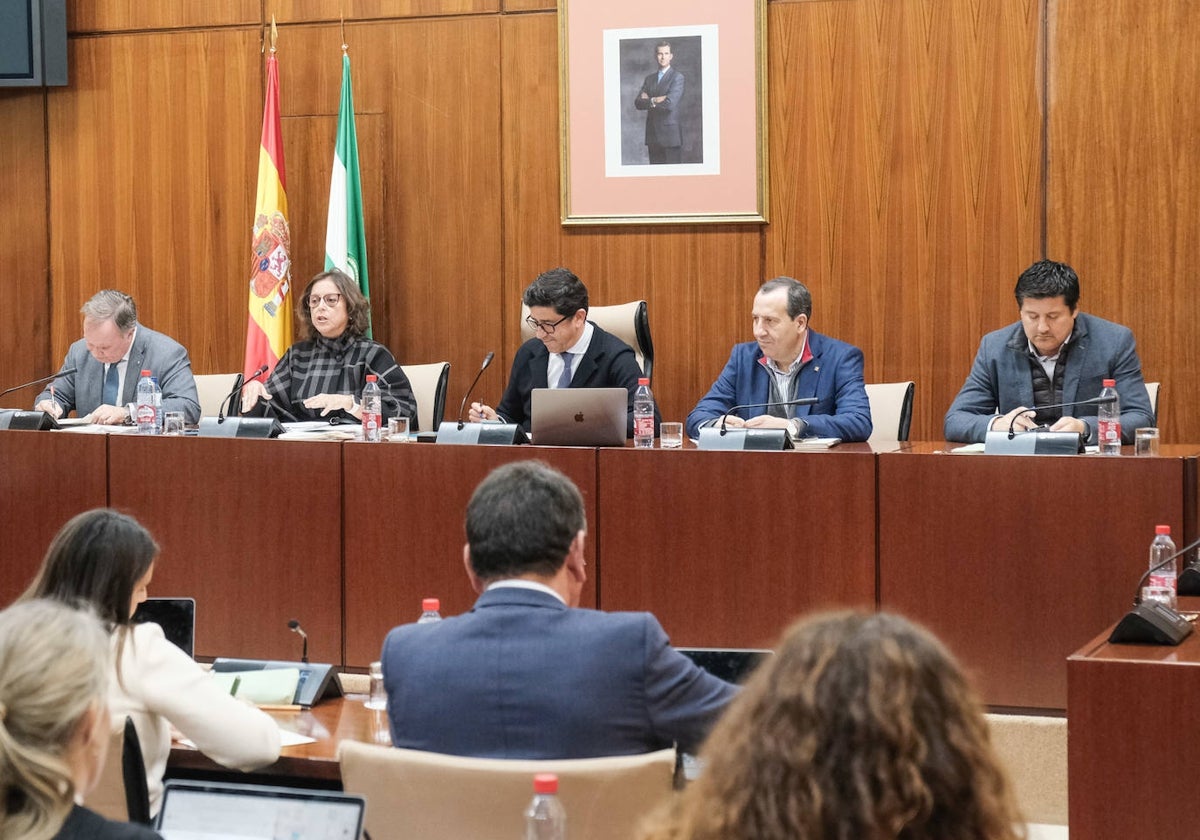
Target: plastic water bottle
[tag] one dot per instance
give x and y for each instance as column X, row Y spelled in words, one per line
column 1108, row 420
column 372, row 410
column 430, row 611
column 545, row 818
column 145, row 407
column 1161, row 585
column 376, row 702
column 643, row 415
column 158, row 410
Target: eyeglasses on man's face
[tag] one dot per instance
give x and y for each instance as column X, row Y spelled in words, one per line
column 330, row 300
column 545, row 326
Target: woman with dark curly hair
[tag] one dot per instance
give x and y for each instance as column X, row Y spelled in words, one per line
column 861, row 727
column 322, row 376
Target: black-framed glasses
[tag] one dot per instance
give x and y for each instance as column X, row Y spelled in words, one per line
column 544, row 326
column 330, row 300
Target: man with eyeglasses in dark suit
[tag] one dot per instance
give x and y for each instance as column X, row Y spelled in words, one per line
column 567, row 351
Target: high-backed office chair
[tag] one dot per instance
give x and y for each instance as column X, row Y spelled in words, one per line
column 1152, row 392
column 414, row 795
column 429, row 384
column 122, row 793
column 213, row 388
column 891, row 410
column 629, row 322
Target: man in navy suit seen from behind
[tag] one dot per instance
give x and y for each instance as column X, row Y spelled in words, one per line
column 526, row 673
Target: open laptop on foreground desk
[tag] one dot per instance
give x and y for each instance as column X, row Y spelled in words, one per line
column 221, row 811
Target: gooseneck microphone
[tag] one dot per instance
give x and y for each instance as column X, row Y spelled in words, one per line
column 42, row 381
column 295, row 627
column 462, row 409
column 238, row 385
column 1012, row 426
column 1153, row 622
column 800, row 401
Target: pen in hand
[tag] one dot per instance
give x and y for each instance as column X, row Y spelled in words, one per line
column 237, row 682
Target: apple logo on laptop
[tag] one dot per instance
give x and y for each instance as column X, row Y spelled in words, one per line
column 579, row 417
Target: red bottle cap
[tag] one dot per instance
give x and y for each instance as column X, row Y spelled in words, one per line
column 145, row 373
column 431, row 604
column 643, row 380
column 545, row 783
column 1110, row 383
column 371, row 377
column 1162, row 529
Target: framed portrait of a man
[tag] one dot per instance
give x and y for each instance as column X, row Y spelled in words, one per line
column 663, row 111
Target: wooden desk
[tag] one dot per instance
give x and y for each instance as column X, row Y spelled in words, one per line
column 252, row 529
column 1014, row 561
column 45, row 479
column 1132, row 738
column 728, row 548
column 404, row 510
column 330, row 722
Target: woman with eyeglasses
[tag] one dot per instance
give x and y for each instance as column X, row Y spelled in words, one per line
column 322, row 376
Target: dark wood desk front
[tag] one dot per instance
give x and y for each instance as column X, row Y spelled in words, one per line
column 728, row 548
column 1015, row 561
column 1133, row 742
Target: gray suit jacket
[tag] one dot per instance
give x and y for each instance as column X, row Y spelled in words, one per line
column 662, row 120
column 164, row 357
column 1000, row 379
column 524, row 676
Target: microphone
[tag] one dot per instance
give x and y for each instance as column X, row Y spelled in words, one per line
column 1012, row 432
column 1153, row 623
column 41, row 381
column 238, row 385
column 462, row 409
column 801, row 401
column 295, row 627
column 281, row 412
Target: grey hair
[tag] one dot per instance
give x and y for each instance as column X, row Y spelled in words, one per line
column 111, row 305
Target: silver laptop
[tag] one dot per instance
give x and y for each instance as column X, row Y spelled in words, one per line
column 579, row 416
column 211, row 810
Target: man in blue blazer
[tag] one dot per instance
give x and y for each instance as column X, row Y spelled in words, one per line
column 789, row 361
column 108, row 362
column 1054, row 354
column 659, row 98
column 526, row 674
column 567, row 351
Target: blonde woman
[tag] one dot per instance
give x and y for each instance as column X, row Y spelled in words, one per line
column 861, row 727
column 54, row 726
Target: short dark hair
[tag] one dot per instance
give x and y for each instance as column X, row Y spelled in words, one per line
column 96, row 559
column 358, row 308
column 521, row 520
column 112, row 305
column 799, row 299
column 559, row 288
column 1048, row 279
column 666, row 44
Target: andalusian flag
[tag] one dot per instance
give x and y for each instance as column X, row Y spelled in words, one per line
column 269, row 330
column 345, row 238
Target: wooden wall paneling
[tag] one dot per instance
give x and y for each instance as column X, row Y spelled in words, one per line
column 47, row 479
column 297, row 11
column 153, row 164
column 905, row 177
column 24, row 270
column 435, row 253
column 137, row 15
column 1124, row 180
column 530, row 6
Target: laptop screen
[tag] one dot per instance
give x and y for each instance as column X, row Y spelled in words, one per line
column 176, row 617
column 730, row 664
column 579, row 416
column 212, row 810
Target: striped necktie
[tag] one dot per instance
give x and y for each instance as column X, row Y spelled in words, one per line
column 564, row 381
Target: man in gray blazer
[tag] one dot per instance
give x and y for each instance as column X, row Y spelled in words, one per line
column 659, row 98
column 1054, row 354
column 108, row 360
column 525, row 674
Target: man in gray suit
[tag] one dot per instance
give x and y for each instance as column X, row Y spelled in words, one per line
column 525, row 674
column 108, row 360
column 1054, row 354
column 659, row 98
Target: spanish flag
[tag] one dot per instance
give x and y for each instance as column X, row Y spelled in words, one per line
column 269, row 328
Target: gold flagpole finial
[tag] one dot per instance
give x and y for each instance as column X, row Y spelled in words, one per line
column 345, row 46
column 274, row 32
